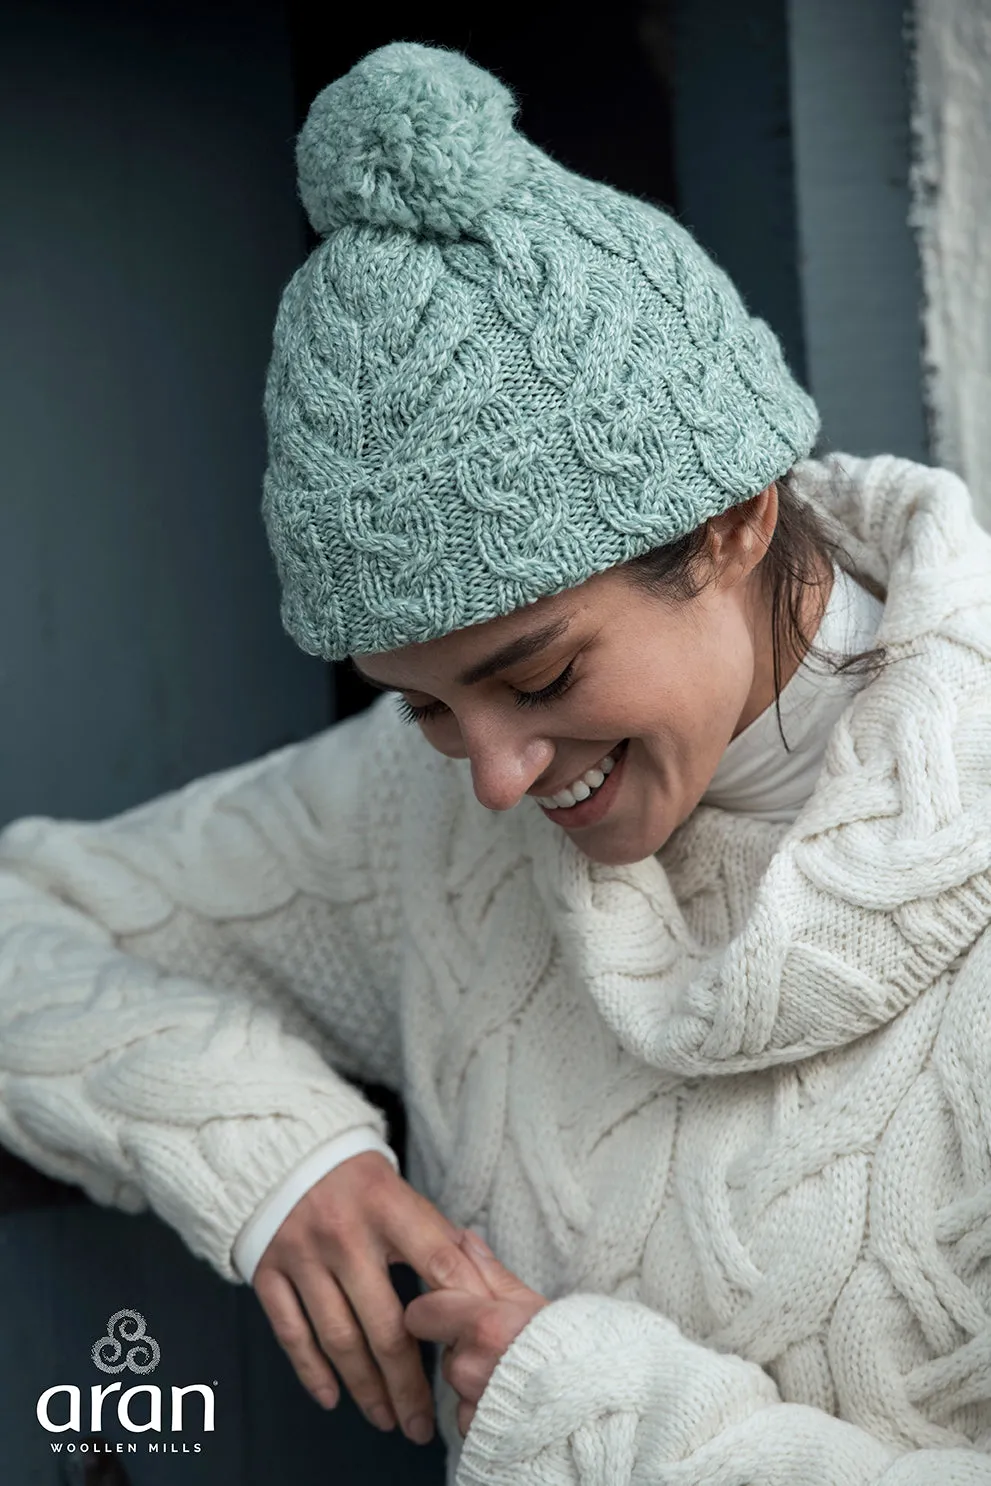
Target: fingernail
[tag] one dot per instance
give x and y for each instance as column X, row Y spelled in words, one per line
column 326, row 1397
column 477, row 1242
column 382, row 1416
column 420, row 1429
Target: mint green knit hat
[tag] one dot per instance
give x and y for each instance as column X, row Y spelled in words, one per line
column 493, row 377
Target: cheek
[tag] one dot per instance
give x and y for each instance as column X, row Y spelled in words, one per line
column 721, row 688
column 708, row 689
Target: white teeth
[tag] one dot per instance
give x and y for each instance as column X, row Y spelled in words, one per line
column 580, row 789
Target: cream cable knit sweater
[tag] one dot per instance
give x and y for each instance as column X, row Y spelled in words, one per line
column 756, row 776
column 728, row 1108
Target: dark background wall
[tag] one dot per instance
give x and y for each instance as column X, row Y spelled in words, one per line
column 150, row 223
column 146, row 156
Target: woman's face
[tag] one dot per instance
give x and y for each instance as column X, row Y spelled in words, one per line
column 535, row 699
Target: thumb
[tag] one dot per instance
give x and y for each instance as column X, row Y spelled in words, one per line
column 501, row 1281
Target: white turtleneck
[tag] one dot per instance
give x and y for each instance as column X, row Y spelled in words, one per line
column 757, row 775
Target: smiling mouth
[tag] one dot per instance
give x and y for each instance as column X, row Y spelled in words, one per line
column 585, row 801
column 585, row 785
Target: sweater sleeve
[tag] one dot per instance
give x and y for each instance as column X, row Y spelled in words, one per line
column 183, row 986
column 597, row 1391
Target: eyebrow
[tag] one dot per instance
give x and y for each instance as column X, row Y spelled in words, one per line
column 510, row 654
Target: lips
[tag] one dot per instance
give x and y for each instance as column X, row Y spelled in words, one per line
column 590, row 811
column 546, row 797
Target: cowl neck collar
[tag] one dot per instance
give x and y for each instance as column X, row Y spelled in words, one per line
column 882, row 882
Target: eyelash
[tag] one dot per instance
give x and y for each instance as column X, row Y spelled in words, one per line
column 549, row 693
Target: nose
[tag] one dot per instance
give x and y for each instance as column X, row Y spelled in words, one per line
column 502, row 771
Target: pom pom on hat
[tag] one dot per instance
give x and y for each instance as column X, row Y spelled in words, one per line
column 413, row 137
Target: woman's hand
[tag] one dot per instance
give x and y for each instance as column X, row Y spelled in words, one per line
column 324, row 1284
column 475, row 1328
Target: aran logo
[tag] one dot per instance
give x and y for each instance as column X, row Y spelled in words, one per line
column 126, row 1347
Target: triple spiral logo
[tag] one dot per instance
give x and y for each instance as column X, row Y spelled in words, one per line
column 143, row 1352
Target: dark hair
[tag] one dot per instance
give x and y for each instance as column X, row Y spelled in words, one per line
column 798, row 550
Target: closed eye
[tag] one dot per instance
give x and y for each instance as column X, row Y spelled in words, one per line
column 548, row 693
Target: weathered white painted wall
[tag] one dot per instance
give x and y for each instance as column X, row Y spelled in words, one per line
column 951, row 212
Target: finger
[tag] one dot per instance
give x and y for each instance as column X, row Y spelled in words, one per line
column 358, row 1319
column 500, row 1280
column 466, row 1371
column 294, row 1334
column 393, row 1347
column 466, row 1413
column 443, row 1316
column 430, row 1244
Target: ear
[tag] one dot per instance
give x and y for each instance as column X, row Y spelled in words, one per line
column 739, row 537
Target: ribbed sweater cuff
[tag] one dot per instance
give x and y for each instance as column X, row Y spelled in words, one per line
column 507, row 1430
column 584, row 1372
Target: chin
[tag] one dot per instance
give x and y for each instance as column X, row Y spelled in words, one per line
column 619, row 850
column 632, row 833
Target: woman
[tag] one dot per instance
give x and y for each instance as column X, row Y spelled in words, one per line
column 669, row 924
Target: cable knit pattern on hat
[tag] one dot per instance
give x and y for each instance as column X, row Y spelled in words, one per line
column 494, row 377
column 727, row 1108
